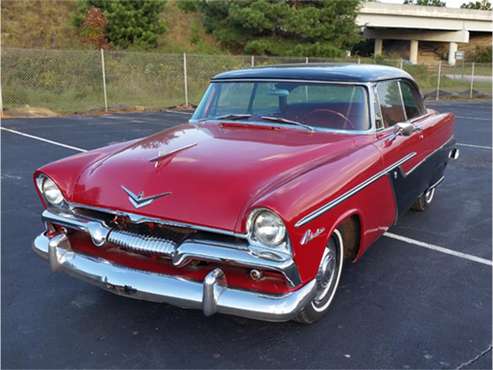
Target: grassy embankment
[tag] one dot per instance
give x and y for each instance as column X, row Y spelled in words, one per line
column 69, row 80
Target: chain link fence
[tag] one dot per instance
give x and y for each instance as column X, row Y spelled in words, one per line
column 68, row 81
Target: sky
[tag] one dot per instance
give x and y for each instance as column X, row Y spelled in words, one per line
column 450, row 3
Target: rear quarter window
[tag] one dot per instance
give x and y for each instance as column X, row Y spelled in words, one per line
column 389, row 96
column 413, row 103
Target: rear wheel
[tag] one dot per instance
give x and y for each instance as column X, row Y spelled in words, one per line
column 424, row 200
column 328, row 275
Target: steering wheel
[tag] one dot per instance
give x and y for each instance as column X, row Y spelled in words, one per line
column 348, row 124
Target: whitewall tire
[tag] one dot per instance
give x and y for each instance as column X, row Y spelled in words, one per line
column 328, row 277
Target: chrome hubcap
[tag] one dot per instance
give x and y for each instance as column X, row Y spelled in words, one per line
column 325, row 275
column 429, row 195
column 329, row 273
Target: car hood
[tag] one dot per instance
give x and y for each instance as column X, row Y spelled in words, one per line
column 208, row 174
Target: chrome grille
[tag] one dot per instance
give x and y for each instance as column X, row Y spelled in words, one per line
column 141, row 242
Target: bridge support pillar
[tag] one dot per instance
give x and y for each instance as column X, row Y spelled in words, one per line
column 452, row 48
column 378, row 47
column 413, row 52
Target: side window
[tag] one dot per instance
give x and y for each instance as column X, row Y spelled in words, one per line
column 412, row 100
column 390, row 99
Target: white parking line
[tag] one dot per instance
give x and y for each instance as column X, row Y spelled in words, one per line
column 475, row 146
column 175, row 111
column 43, row 139
column 482, row 107
column 475, row 118
column 437, row 248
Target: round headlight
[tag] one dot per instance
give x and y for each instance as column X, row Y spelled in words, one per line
column 267, row 228
column 50, row 191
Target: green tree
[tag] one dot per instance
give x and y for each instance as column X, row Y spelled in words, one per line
column 480, row 5
column 322, row 28
column 425, row 2
column 129, row 23
column 480, row 54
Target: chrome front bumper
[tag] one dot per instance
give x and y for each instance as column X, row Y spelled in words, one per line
column 189, row 250
column 212, row 295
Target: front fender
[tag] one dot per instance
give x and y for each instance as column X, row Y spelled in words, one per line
column 374, row 205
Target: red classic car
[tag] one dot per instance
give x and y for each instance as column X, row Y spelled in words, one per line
column 251, row 207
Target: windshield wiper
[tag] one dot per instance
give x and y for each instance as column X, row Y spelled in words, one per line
column 233, row 116
column 265, row 118
column 288, row 121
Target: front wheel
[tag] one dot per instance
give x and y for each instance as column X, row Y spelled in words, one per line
column 328, row 275
column 424, row 200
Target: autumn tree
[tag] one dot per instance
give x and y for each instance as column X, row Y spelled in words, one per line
column 93, row 28
column 129, row 23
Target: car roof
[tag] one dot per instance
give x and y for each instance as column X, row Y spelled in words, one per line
column 318, row 72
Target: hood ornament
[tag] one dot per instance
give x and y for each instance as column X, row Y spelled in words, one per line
column 162, row 155
column 138, row 200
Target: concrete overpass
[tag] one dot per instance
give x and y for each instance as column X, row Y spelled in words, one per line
column 381, row 21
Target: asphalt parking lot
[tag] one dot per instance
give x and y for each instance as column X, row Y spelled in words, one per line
column 405, row 304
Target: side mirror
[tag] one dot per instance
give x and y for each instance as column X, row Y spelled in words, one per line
column 404, row 128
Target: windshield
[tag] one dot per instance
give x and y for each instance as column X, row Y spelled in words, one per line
column 318, row 105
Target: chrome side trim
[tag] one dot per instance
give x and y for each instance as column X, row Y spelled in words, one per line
column 211, row 296
column 180, row 255
column 136, row 218
column 438, row 182
column 352, row 191
column 428, row 156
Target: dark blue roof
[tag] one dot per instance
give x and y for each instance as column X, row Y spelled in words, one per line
column 320, row 72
